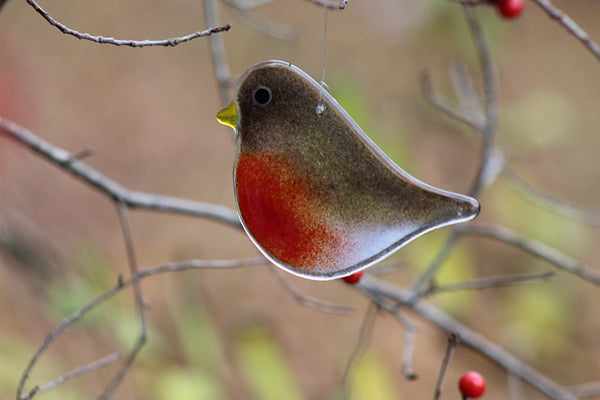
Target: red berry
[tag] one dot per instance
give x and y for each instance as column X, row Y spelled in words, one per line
column 354, row 278
column 510, row 8
column 471, row 385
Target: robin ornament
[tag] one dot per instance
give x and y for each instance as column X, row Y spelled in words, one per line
column 314, row 193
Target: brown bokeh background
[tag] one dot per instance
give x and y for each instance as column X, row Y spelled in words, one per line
column 149, row 117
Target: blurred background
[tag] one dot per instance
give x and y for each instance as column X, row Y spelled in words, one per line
column 148, row 115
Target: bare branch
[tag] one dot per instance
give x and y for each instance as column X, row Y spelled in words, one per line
column 217, row 50
column 247, row 5
column 410, row 332
column 275, row 30
column 515, row 387
column 452, row 343
column 309, row 301
column 446, row 106
column 490, row 100
column 488, row 163
column 570, row 25
column 331, row 5
column 464, row 87
column 421, row 286
column 363, row 340
column 377, row 289
column 267, row 27
column 118, row 42
column 121, row 285
column 589, row 389
column 567, row 210
column 83, row 369
column 112, row 189
column 139, row 301
column 537, row 249
column 489, row 282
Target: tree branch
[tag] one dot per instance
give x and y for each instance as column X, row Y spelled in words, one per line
column 121, row 285
column 377, row 289
column 83, row 369
column 331, row 5
column 118, row 42
column 535, row 248
column 112, row 189
column 570, row 25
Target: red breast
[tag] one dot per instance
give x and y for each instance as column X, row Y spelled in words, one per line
column 283, row 214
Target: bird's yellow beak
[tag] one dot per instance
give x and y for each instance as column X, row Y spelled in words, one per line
column 228, row 116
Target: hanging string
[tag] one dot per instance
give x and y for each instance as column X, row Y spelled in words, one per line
column 321, row 107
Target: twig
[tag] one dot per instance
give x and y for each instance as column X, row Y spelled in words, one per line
column 309, row 301
column 77, row 315
column 139, row 301
column 570, row 25
column 217, row 50
column 374, row 288
column 583, row 390
column 409, row 329
column 446, row 106
column 112, row 189
column 489, row 282
column 487, row 162
column 410, row 332
column 386, row 267
column 535, row 248
column 515, row 387
column 464, row 89
column 247, row 5
column 83, row 369
column 490, row 100
column 420, row 287
column 265, row 26
column 571, row 211
column 363, row 340
column 118, row 42
column 331, row 5
column 452, row 343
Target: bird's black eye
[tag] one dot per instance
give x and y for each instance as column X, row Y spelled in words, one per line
column 262, row 96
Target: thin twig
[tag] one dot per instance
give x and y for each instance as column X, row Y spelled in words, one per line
column 535, row 248
column 112, row 189
column 139, row 301
column 375, row 288
column 589, row 389
column 217, row 51
column 421, row 286
column 331, row 5
column 570, row 25
column 247, row 5
column 464, row 88
column 490, row 100
column 515, row 387
column 363, row 340
column 540, row 199
column 453, row 340
column 386, row 267
column 410, row 333
column 266, row 27
column 446, row 106
column 118, row 42
column 487, row 161
column 121, row 285
column 489, row 282
column 309, row 301
column 82, row 369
